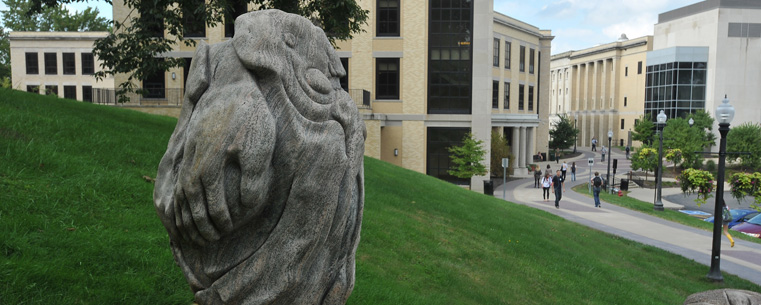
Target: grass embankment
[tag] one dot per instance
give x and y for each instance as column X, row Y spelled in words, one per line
column 79, row 227
column 647, row 208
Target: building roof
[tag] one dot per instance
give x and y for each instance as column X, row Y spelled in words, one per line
column 705, row 6
column 19, row 35
column 521, row 26
column 613, row 46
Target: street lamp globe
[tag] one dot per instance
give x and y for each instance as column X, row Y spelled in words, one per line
column 691, row 121
column 725, row 112
column 661, row 117
column 610, row 134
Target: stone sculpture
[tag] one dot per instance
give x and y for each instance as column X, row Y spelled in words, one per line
column 724, row 297
column 261, row 188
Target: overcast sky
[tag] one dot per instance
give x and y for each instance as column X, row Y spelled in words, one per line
column 576, row 24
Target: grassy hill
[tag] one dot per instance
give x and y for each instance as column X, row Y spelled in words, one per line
column 78, row 227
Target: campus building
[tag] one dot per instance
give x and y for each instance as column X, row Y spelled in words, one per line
column 601, row 89
column 425, row 73
column 57, row 63
column 702, row 52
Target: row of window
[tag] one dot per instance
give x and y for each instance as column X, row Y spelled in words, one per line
column 506, row 103
column 69, row 65
column 508, row 51
column 69, row 92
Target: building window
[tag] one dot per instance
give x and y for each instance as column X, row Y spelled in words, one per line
column 678, row 88
column 237, row 8
column 507, row 54
column 450, row 67
column 387, row 78
column 521, row 96
column 155, row 85
column 622, row 124
column 345, row 79
column 522, row 66
column 530, row 98
column 88, row 64
column 70, row 92
column 32, row 63
column 507, row 96
column 388, row 18
column 51, row 64
column 531, row 61
column 495, row 94
column 744, row 30
column 625, row 101
column 626, row 71
column 33, row 89
column 495, row 54
column 639, row 67
column 51, row 90
column 69, row 66
column 438, row 162
column 193, row 22
column 87, row 94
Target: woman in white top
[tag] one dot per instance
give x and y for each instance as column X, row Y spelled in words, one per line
column 546, row 184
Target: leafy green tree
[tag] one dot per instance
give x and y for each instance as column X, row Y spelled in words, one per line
column 745, row 138
column 468, row 158
column 645, row 159
column 499, row 150
column 678, row 134
column 703, row 122
column 19, row 17
column 673, row 155
column 644, row 130
column 131, row 48
column 563, row 133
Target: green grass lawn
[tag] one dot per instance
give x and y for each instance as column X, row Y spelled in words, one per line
column 79, row 227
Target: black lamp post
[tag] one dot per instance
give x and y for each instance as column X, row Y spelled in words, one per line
column 610, row 151
column 724, row 113
column 575, row 136
column 658, row 206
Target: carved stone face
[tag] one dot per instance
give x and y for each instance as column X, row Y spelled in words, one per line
column 261, row 187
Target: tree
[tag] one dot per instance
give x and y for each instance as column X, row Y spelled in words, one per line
column 467, row 158
column 499, row 150
column 563, row 134
column 646, row 159
column 745, row 138
column 674, row 155
column 678, row 134
column 20, row 17
column 644, row 130
column 703, row 122
column 132, row 47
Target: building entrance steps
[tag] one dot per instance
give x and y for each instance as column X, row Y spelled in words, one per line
column 743, row 260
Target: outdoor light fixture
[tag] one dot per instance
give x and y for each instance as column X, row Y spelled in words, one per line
column 174, row 76
column 691, row 121
column 396, row 152
column 658, row 205
column 610, row 156
column 724, row 113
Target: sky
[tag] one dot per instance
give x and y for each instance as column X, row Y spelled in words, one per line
column 576, row 24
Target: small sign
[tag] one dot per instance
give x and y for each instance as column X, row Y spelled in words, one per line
column 464, row 43
column 591, row 161
column 505, row 162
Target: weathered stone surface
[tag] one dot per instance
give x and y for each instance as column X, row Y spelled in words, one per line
column 261, row 187
column 724, row 297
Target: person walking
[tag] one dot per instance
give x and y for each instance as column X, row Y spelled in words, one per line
column 546, row 184
column 548, row 171
column 558, row 187
column 564, row 169
column 627, row 152
column 726, row 218
column 596, row 188
column 594, row 144
column 537, row 177
column 603, row 151
column 573, row 171
column 557, row 156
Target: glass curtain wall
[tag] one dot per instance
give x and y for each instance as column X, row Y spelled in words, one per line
column 450, row 69
column 677, row 88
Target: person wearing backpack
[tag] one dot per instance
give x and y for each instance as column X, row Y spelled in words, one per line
column 573, row 171
column 546, row 184
column 596, row 188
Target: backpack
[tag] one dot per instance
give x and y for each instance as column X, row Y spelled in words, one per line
column 597, row 181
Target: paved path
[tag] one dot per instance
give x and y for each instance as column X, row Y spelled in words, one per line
column 743, row 260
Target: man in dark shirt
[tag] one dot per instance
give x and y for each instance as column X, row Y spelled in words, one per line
column 558, row 188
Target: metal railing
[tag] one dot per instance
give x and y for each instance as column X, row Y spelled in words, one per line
column 152, row 97
column 361, row 97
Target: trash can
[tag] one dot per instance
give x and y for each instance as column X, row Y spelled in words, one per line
column 624, row 184
column 489, row 187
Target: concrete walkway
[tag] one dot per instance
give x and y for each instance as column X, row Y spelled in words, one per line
column 743, row 260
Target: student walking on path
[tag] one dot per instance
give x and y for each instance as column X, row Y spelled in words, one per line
column 546, row 184
column 548, row 171
column 596, row 188
column 627, row 152
column 594, row 144
column 603, row 151
column 537, row 177
column 573, row 171
column 564, row 169
column 558, row 188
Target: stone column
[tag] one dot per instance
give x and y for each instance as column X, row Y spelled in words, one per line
column 530, row 144
column 522, row 150
column 515, row 145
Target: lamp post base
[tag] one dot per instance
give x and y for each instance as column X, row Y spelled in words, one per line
column 658, row 206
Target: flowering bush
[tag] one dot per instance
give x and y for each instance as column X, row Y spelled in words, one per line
column 745, row 184
column 674, row 155
column 697, row 181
